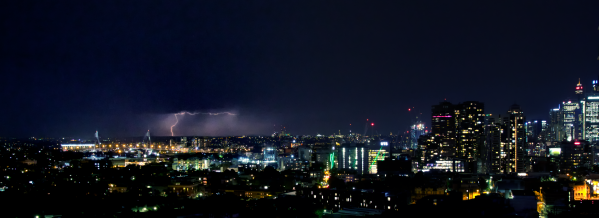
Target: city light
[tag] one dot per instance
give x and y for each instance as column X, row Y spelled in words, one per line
column 235, row 79
column 77, row 145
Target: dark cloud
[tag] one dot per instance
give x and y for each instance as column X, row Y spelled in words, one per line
column 313, row 66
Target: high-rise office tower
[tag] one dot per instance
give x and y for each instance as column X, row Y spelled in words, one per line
column 470, row 127
column 531, row 130
column 457, row 131
column 440, row 144
column 443, row 120
column 591, row 114
column 492, row 151
column 556, row 125
column 574, row 116
column 544, row 128
column 570, row 111
column 495, row 155
column 517, row 135
column 416, row 130
column 576, row 119
column 581, row 121
column 535, row 132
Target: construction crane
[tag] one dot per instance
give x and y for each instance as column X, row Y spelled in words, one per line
column 365, row 129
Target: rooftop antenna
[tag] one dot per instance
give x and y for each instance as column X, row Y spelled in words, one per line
column 365, row 128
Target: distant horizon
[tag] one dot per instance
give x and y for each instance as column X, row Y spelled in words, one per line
column 425, row 119
column 118, row 137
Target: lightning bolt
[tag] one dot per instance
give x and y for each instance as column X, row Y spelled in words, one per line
column 196, row 113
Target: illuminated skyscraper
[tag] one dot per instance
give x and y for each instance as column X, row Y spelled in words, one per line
column 535, row 132
column 579, row 88
column 555, row 132
column 495, row 151
column 458, row 131
column 517, row 135
column 571, row 128
column 544, row 129
column 443, row 120
column 580, row 118
column 492, row 152
column 569, row 121
column 591, row 114
column 470, row 131
column 416, row 130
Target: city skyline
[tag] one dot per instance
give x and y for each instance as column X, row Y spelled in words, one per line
column 185, row 130
column 312, row 109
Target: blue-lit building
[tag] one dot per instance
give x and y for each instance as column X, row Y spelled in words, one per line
column 416, row 130
column 591, row 114
column 269, row 156
column 571, row 112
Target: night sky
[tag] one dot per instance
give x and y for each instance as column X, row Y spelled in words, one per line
column 123, row 67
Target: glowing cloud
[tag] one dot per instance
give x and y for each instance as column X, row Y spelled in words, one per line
column 197, row 113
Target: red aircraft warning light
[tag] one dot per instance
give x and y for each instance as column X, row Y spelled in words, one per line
column 372, row 124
